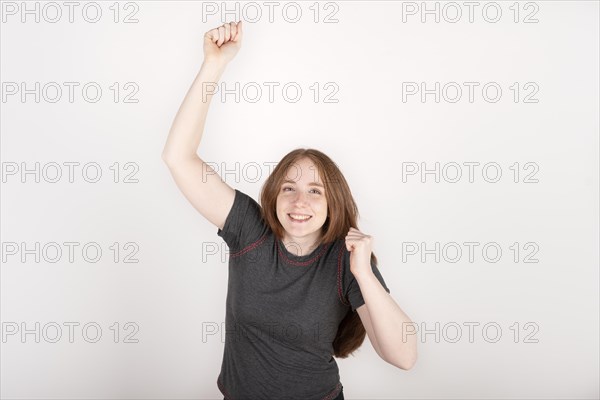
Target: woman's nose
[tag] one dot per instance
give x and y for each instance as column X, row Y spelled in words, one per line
column 300, row 197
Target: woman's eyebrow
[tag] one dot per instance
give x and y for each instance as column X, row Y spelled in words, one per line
column 310, row 184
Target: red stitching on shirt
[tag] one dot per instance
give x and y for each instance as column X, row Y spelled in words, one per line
column 222, row 388
column 339, row 276
column 301, row 263
column 333, row 394
column 257, row 243
column 251, row 246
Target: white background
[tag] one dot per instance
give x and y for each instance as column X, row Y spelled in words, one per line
column 176, row 290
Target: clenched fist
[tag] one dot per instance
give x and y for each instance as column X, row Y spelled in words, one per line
column 221, row 44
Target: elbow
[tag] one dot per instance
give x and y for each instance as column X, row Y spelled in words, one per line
column 403, row 362
column 171, row 158
column 169, row 153
column 168, row 159
column 409, row 364
column 165, row 157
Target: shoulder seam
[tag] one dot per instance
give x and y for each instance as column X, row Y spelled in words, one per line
column 339, row 277
column 250, row 247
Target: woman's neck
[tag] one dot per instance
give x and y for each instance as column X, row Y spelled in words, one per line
column 300, row 247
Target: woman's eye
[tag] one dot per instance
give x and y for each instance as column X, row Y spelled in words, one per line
column 287, row 187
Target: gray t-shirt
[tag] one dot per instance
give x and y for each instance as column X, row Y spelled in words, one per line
column 282, row 312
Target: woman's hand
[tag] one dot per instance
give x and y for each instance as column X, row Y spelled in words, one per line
column 221, row 44
column 359, row 246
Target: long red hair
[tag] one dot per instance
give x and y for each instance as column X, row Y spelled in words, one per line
column 342, row 215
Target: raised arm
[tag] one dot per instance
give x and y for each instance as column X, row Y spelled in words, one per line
column 199, row 183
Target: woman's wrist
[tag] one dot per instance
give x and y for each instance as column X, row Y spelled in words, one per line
column 211, row 70
column 214, row 64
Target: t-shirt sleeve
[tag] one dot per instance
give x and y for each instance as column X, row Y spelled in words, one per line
column 352, row 289
column 244, row 224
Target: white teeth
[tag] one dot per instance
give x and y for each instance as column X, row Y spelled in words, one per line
column 300, row 217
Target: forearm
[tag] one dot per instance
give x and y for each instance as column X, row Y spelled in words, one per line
column 388, row 322
column 187, row 128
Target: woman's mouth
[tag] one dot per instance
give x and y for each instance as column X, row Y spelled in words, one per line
column 299, row 218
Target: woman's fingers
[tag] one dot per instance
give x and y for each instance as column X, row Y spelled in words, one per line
column 221, row 30
column 226, row 33
column 238, row 30
column 212, row 35
column 216, row 39
column 233, row 29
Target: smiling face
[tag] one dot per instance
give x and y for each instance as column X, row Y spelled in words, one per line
column 301, row 203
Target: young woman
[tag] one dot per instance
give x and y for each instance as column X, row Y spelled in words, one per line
column 303, row 282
